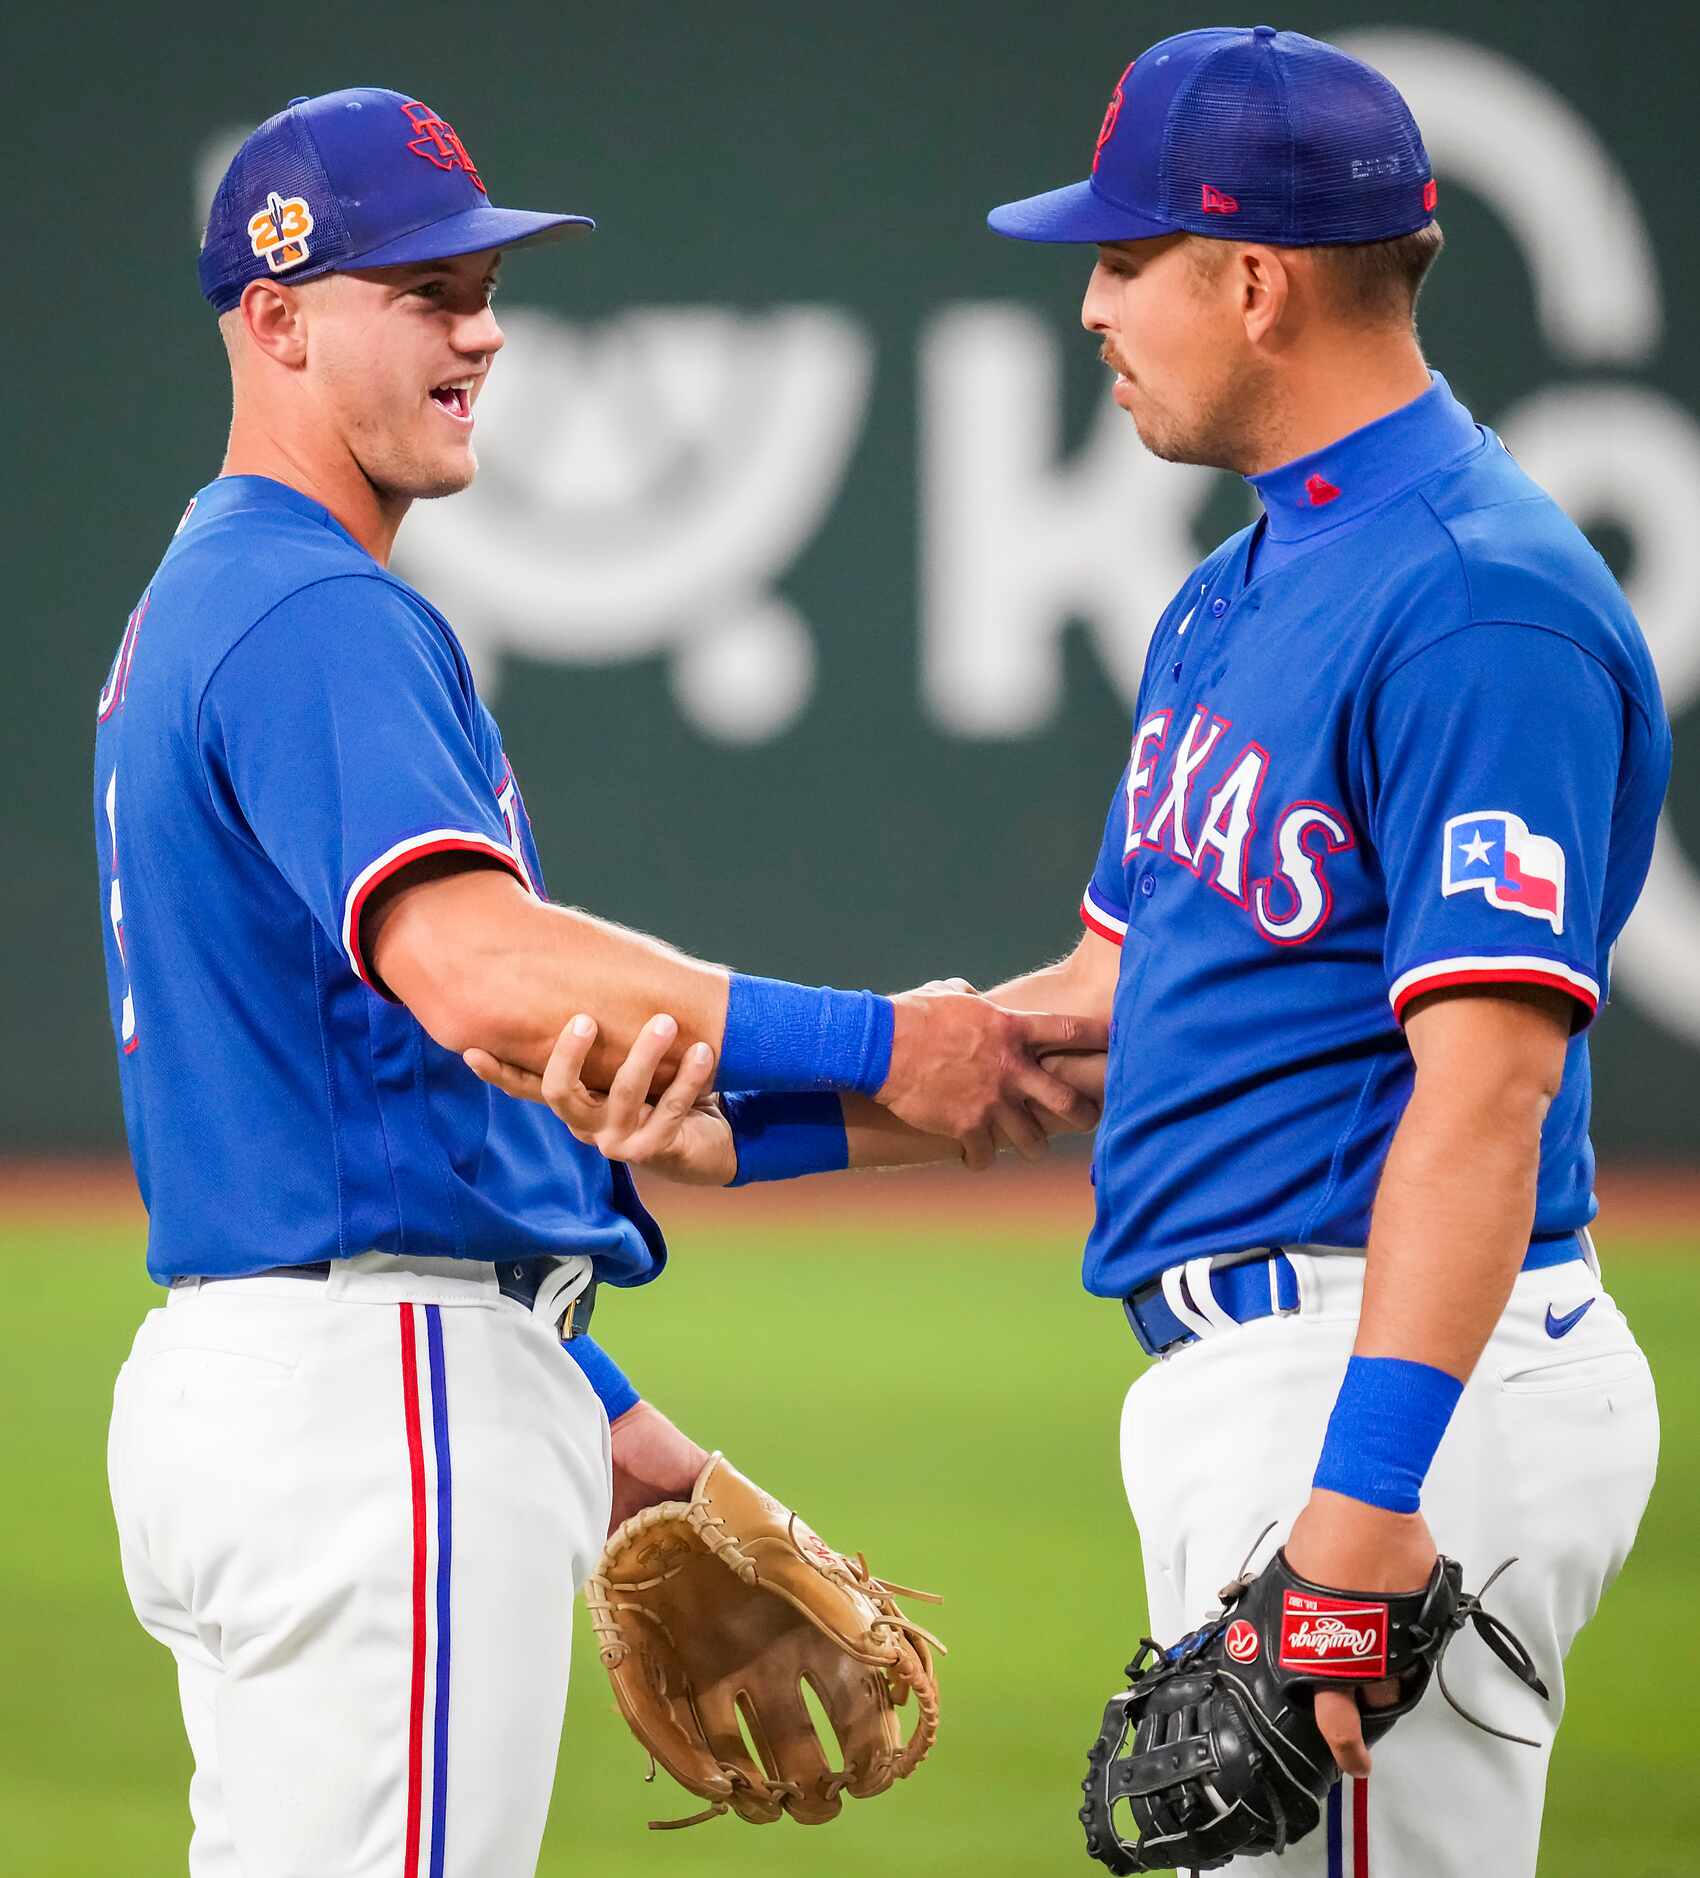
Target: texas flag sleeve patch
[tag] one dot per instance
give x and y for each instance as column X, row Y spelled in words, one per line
column 1496, row 853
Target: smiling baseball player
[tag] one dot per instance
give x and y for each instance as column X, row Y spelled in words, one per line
column 355, row 1479
column 1396, row 764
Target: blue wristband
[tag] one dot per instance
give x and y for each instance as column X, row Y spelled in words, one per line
column 613, row 1390
column 781, row 1135
column 1387, row 1423
column 783, row 1036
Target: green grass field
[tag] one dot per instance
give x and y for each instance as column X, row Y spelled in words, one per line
column 946, row 1404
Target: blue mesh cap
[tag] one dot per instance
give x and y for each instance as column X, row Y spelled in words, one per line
column 357, row 178
column 1247, row 134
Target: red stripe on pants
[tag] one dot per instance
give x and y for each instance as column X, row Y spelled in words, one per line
column 1360, row 1828
column 416, row 1697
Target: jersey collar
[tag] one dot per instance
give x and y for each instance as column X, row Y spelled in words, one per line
column 227, row 493
column 1367, row 467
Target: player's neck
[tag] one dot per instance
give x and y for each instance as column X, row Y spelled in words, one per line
column 339, row 484
column 1329, row 397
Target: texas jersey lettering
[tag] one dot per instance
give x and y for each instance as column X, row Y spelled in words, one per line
column 1343, row 753
column 1290, row 901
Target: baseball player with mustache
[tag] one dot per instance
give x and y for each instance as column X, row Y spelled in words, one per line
column 1395, row 768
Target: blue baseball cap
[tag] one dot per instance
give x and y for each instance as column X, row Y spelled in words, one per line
column 1247, row 134
column 356, row 178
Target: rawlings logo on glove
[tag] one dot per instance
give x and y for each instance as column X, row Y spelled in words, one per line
column 1331, row 1637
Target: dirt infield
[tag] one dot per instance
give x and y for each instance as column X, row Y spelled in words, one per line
column 1055, row 1197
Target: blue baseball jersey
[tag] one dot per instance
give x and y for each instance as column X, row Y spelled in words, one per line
column 285, row 726
column 1403, row 733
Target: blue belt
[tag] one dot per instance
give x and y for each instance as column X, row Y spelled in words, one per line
column 1245, row 1291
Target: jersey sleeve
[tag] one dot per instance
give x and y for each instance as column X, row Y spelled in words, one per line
column 1103, row 907
column 341, row 735
column 1493, row 760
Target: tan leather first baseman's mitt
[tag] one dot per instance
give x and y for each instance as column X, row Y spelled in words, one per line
column 724, row 1606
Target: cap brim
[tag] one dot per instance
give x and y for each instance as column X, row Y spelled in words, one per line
column 470, row 232
column 1074, row 213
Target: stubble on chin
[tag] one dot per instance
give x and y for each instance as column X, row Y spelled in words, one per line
column 446, row 484
column 417, row 479
column 1226, row 429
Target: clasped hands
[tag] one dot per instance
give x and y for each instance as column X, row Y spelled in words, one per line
column 962, row 1068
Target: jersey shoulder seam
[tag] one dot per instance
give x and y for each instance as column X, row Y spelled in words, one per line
column 1522, row 625
column 374, row 573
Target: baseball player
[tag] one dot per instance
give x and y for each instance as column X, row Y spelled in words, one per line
column 1396, row 763
column 355, row 1478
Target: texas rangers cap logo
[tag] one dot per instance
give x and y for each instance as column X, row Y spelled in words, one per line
column 438, row 144
column 278, row 233
column 1494, row 852
column 1112, row 111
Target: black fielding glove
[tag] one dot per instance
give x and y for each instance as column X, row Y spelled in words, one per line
column 1213, row 1753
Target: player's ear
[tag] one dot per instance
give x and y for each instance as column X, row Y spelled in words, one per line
column 1262, row 286
column 275, row 321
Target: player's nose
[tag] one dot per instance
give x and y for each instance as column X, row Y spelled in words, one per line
column 480, row 332
column 1094, row 312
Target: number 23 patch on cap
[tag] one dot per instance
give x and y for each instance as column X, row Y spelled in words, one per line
column 278, row 234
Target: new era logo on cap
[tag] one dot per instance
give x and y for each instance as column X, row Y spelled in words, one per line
column 1301, row 143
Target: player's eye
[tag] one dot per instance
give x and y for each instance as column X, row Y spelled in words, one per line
column 428, row 290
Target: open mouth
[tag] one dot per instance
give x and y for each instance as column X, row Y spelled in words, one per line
column 455, row 399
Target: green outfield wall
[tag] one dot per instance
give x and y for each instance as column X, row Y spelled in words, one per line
column 810, row 571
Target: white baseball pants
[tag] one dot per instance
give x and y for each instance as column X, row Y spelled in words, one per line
column 357, row 1511
column 1550, row 1457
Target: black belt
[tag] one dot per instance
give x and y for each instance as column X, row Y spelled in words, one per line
column 514, row 1280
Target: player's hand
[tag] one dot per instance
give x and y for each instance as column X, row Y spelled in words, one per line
column 967, row 1069
column 1341, row 1541
column 682, row 1134
column 653, row 1462
column 1084, row 1072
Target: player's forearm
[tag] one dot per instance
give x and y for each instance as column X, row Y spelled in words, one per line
column 492, row 972
column 877, row 1138
column 1081, row 985
column 482, row 964
column 1453, row 1214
